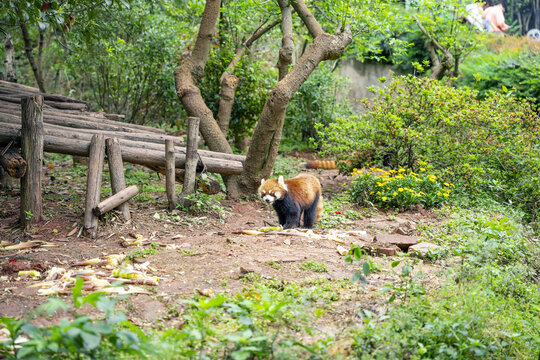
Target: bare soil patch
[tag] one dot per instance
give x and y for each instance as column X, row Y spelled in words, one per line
column 208, row 254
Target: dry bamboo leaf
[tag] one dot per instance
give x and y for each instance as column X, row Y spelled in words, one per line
column 206, row 292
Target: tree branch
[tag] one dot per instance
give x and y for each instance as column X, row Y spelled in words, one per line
column 192, row 69
column 307, row 17
column 229, row 82
column 28, row 48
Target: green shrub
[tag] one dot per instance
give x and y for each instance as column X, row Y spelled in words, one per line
column 79, row 338
column 515, row 69
column 315, row 103
column 399, row 189
column 487, row 147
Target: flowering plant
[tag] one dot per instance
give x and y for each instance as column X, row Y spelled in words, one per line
column 399, row 189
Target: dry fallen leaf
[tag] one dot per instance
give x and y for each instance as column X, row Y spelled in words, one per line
column 206, row 292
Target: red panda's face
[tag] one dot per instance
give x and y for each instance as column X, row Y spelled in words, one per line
column 272, row 190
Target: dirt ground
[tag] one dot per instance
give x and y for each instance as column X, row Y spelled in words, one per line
column 207, row 254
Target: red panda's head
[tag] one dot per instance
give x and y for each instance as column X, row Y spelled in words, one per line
column 272, row 190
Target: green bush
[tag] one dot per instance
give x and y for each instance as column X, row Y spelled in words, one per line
column 316, row 103
column 515, row 69
column 79, row 338
column 485, row 309
column 399, row 189
column 487, row 147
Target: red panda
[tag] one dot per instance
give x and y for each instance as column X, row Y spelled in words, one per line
column 290, row 198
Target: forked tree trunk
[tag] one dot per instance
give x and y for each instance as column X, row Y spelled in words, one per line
column 267, row 135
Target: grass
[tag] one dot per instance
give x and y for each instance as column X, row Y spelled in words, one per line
column 314, row 266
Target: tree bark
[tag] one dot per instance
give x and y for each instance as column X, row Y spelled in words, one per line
column 32, row 151
column 9, row 59
column 229, row 84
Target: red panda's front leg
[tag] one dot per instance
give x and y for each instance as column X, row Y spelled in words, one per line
column 288, row 212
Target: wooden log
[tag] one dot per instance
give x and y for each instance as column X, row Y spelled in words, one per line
column 118, row 199
column 191, row 160
column 93, row 188
column 73, row 123
column 116, row 169
column 32, row 151
column 9, row 87
column 138, row 140
column 170, row 174
column 149, row 158
column 78, row 120
column 13, row 163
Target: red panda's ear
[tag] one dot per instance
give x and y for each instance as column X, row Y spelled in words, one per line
column 262, row 181
column 281, row 181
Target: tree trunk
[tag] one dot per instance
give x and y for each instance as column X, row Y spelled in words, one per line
column 229, row 84
column 9, row 59
column 267, row 135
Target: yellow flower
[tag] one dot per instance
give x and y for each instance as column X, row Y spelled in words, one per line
column 446, row 194
column 378, row 193
column 452, row 185
column 446, row 184
column 422, row 169
column 395, row 193
column 400, row 189
column 439, row 193
column 380, row 184
column 384, row 198
column 401, row 170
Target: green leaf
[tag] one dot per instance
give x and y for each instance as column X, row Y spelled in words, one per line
column 366, row 268
column 90, row 340
column 76, row 292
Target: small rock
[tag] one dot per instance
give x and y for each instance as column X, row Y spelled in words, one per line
column 221, row 232
column 402, row 241
column 287, row 242
column 423, row 249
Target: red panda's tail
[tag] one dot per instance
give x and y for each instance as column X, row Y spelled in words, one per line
column 321, row 164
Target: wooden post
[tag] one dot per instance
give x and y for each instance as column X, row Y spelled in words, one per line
column 170, row 174
column 93, row 187
column 191, row 160
column 116, row 200
column 116, row 169
column 32, row 152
